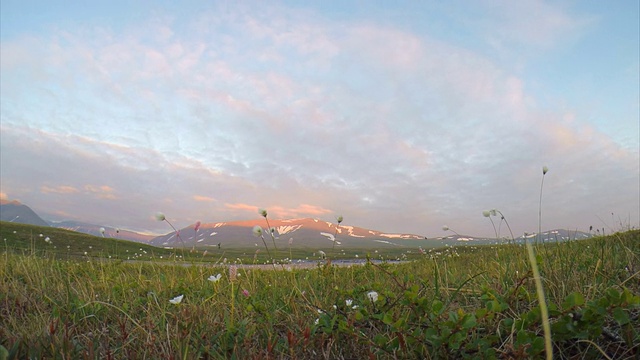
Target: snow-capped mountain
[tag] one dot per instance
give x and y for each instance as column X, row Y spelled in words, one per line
column 316, row 233
column 301, row 232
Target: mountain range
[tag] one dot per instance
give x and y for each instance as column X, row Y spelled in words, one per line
column 305, row 232
column 14, row 211
column 301, row 232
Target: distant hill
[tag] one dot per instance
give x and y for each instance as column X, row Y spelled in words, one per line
column 305, row 232
column 110, row 232
column 557, row 235
column 14, row 211
column 320, row 234
column 49, row 240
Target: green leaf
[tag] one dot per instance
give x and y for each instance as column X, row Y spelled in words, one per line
column 493, row 306
column 399, row 324
column 628, row 297
column 380, row 340
column 468, row 321
column 455, row 341
column 387, row 318
column 508, row 322
column 453, row 316
column 431, row 334
column 572, row 300
column 621, row 316
column 614, row 296
column 4, row 353
column 481, row 312
column 437, row 306
column 537, row 346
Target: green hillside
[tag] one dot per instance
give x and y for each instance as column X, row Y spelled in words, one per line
column 61, row 243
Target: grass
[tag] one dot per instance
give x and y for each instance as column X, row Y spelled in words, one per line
column 452, row 303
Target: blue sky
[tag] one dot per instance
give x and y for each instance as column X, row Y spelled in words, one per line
column 402, row 116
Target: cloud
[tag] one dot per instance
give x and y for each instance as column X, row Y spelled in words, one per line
column 529, row 26
column 60, row 189
column 395, row 128
column 203, row 198
column 279, row 212
column 242, row 207
column 303, row 210
column 102, row 192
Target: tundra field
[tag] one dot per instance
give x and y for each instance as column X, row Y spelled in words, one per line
column 67, row 295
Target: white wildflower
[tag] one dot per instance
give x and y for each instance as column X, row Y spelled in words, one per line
column 215, row 278
column 257, row 231
column 177, row 300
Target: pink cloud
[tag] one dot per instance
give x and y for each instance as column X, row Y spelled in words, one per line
column 203, row 198
column 302, row 210
column 241, row 207
column 101, row 192
column 61, row 189
column 280, row 212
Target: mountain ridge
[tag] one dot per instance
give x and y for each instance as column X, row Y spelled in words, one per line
column 308, row 232
column 15, row 211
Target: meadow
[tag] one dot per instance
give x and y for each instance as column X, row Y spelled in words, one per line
column 81, row 297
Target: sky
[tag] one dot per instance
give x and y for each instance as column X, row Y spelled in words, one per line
column 400, row 116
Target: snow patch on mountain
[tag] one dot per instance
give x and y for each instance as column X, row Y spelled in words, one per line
column 465, row 239
column 331, row 237
column 287, row 229
column 350, row 232
column 397, row 236
column 339, row 228
column 385, row 242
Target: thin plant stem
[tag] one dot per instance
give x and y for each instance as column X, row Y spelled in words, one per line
column 273, row 238
column 507, row 223
column 453, row 231
column 494, row 227
column 265, row 246
column 178, row 234
column 544, row 313
column 539, row 237
column 233, row 300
